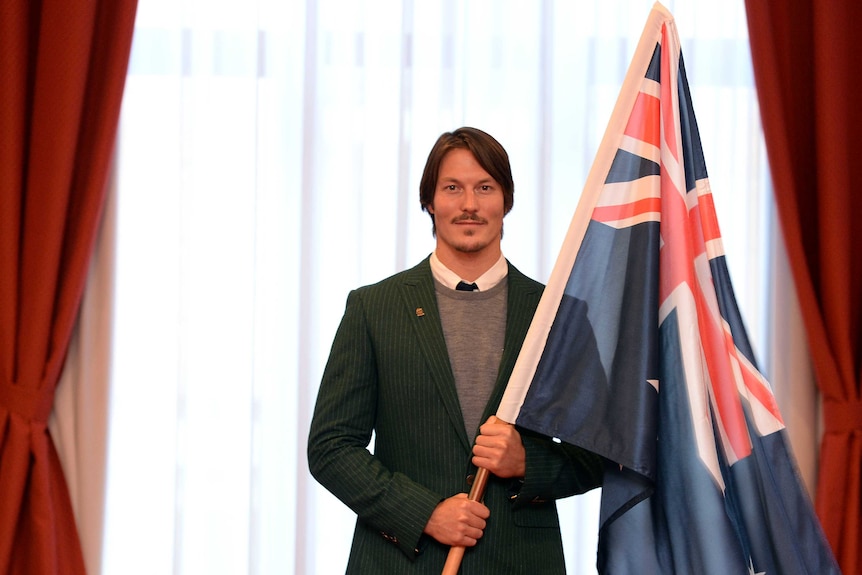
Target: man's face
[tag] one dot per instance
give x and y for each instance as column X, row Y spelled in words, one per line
column 468, row 206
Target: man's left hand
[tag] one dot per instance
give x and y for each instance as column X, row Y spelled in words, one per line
column 499, row 449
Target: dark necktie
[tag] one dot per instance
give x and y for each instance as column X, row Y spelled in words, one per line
column 464, row 286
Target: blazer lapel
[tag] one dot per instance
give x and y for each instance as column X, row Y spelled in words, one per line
column 523, row 298
column 419, row 296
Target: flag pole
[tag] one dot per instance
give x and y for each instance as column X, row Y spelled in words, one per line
column 456, row 553
column 477, row 492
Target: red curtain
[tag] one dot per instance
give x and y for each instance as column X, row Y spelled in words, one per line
column 807, row 65
column 62, row 71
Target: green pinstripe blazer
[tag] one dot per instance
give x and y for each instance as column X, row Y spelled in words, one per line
column 388, row 375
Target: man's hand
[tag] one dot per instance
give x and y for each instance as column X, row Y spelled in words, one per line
column 499, row 449
column 457, row 521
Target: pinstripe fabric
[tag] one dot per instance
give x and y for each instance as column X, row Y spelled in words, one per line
column 388, row 372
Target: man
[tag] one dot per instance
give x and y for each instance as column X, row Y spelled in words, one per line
column 420, row 362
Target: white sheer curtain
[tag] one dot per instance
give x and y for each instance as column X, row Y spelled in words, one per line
column 268, row 162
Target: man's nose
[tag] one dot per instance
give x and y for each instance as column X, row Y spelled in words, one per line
column 469, row 203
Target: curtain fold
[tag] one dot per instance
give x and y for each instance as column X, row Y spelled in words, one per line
column 806, row 64
column 63, row 66
column 79, row 420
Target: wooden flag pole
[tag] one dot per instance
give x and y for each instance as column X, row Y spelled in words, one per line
column 456, row 553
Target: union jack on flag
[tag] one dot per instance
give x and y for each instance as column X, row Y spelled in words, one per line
column 638, row 352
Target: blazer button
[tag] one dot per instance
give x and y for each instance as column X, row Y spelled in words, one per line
column 470, row 479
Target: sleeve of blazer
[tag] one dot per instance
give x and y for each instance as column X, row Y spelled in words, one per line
column 341, row 429
column 556, row 470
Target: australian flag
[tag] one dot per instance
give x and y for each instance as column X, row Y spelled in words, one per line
column 638, row 353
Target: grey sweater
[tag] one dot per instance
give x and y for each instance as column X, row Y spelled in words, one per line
column 474, row 326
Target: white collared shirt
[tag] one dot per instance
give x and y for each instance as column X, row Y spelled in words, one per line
column 485, row 282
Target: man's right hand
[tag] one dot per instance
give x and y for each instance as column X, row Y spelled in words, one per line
column 458, row 521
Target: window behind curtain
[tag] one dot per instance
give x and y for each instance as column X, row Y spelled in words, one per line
column 269, row 160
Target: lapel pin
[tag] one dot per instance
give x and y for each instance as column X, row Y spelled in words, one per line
column 420, row 312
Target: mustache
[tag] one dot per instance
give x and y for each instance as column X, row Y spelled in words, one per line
column 469, row 218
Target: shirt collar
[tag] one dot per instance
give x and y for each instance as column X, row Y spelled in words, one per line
column 486, row 281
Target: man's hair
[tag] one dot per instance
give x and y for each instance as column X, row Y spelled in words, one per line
column 487, row 151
